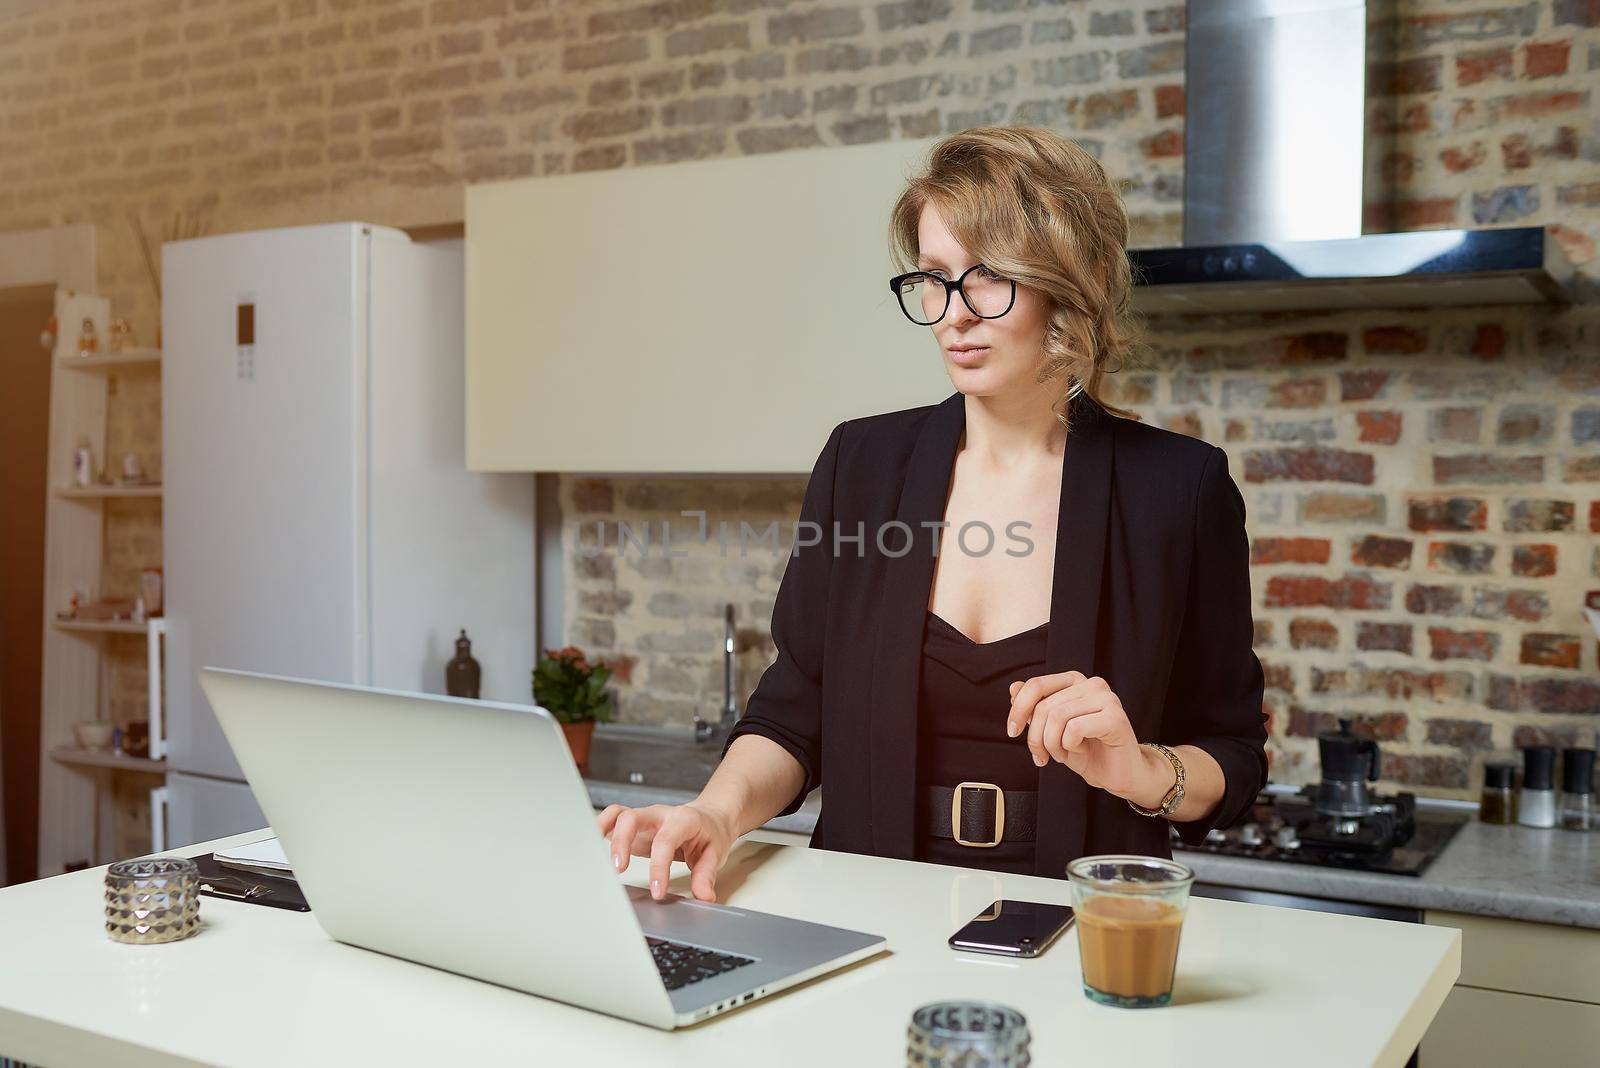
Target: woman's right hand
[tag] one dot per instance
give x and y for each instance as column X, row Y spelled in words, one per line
column 699, row 836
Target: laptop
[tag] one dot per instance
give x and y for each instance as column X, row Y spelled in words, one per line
column 458, row 834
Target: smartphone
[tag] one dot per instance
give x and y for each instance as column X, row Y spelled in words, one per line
column 1014, row 928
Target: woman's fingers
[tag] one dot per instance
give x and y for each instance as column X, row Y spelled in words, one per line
column 1080, row 729
column 608, row 818
column 669, row 836
column 703, row 874
column 622, row 832
column 1030, row 693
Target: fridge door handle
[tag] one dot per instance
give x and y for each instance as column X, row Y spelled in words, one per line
column 158, row 735
column 158, row 819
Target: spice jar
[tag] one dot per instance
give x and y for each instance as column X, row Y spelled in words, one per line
column 1498, row 804
column 1536, row 805
column 1577, row 789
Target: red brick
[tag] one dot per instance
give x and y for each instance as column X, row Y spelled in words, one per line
column 1581, row 469
column 1394, row 340
column 1538, row 105
column 1290, row 551
column 1303, row 591
column 1421, row 214
column 1278, row 677
column 1581, row 195
column 1298, row 393
column 1533, row 561
column 1552, row 650
column 1379, row 428
column 1169, row 100
column 1525, row 514
column 1594, row 517
column 1474, row 67
column 1446, row 772
column 1313, row 634
column 1461, row 160
column 1448, row 513
column 1168, row 144
column 1577, row 13
column 1460, row 733
column 1461, row 425
column 1261, row 634
column 1461, row 557
column 1316, row 346
column 1383, row 637
column 1382, row 726
column 1562, row 695
column 1328, row 507
column 1362, row 385
column 1447, row 644
column 1377, row 551
column 1528, row 605
column 1545, row 59
column 1554, row 737
column 1313, row 464
column 1434, row 600
column 1401, row 683
column 1404, row 77
column 1483, row 468
column 1489, row 341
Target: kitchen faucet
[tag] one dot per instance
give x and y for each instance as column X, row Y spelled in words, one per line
column 704, row 729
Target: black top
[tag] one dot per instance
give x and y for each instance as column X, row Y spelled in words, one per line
column 1150, row 590
column 961, row 732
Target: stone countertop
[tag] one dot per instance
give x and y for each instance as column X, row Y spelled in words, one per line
column 1518, row 873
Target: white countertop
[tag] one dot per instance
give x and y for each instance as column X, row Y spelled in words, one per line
column 1257, row 985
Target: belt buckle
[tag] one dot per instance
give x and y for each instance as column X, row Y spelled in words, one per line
column 999, row 814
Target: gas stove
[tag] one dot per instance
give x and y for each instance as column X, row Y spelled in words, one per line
column 1386, row 835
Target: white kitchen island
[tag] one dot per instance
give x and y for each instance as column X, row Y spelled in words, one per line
column 1257, row 985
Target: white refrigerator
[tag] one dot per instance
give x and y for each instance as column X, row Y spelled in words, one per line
column 319, row 520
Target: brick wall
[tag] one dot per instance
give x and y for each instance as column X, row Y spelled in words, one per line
column 1422, row 487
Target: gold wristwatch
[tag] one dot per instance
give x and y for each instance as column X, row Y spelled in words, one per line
column 1174, row 796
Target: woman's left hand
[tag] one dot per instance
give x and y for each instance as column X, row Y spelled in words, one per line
column 1080, row 722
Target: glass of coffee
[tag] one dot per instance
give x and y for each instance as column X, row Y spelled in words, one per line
column 1129, row 914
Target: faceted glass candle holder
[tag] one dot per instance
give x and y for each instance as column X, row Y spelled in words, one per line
column 154, row 900
column 967, row 1034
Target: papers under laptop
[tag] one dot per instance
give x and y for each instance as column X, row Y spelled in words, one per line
column 259, row 858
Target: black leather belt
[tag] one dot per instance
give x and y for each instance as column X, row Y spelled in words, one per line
column 980, row 814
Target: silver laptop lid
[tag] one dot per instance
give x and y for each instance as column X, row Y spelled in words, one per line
column 451, row 832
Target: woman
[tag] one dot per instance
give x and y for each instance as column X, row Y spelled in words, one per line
column 913, row 675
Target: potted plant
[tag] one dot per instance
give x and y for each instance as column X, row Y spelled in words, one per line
column 572, row 690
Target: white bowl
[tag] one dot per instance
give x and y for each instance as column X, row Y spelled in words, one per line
column 92, row 733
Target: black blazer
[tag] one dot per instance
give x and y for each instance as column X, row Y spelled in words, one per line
column 1151, row 592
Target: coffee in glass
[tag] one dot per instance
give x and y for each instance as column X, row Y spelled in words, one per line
column 1130, row 913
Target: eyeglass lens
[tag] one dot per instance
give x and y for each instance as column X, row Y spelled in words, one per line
column 923, row 297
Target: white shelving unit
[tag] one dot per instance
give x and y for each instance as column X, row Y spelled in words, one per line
column 109, row 360
column 76, row 785
column 96, row 626
column 91, row 493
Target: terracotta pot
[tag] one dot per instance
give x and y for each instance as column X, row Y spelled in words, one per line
column 579, row 737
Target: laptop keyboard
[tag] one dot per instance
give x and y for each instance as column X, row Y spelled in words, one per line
column 681, row 964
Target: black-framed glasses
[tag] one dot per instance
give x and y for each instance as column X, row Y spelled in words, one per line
column 925, row 296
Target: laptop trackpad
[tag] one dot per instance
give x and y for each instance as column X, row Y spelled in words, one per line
column 686, row 919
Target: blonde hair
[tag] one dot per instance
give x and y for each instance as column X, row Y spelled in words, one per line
column 1037, row 208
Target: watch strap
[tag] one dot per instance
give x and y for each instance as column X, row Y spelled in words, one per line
column 1174, row 796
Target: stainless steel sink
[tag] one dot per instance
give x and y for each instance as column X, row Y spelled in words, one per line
column 651, row 756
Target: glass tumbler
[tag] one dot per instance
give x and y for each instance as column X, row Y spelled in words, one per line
column 967, row 1034
column 153, row 900
column 1129, row 913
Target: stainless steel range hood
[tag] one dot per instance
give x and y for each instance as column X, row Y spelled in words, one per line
column 1274, row 160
